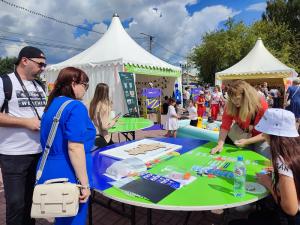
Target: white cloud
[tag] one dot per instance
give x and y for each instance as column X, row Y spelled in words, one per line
column 171, row 25
column 258, row 7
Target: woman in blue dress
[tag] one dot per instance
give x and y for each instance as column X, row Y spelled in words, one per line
column 293, row 94
column 70, row 155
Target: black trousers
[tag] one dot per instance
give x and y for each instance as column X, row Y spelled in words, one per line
column 18, row 172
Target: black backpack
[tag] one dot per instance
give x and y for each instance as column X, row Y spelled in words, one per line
column 7, row 89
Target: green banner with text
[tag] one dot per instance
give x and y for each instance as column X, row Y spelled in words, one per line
column 129, row 88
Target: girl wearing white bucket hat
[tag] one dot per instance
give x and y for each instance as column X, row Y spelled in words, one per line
column 279, row 129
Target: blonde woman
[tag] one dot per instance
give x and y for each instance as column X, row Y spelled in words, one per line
column 245, row 107
column 100, row 111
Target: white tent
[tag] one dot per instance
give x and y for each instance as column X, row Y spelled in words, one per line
column 259, row 63
column 117, row 52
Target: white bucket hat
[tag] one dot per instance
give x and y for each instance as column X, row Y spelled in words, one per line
column 278, row 122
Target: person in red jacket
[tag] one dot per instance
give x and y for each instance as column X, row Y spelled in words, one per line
column 245, row 107
column 201, row 104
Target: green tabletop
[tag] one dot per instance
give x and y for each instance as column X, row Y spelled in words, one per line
column 204, row 193
column 128, row 124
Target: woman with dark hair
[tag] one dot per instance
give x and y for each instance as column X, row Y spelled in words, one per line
column 279, row 129
column 100, row 111
column 70, row 156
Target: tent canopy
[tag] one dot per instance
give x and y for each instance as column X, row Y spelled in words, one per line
column 117, row 52
column 259, row 63
column 116, row 46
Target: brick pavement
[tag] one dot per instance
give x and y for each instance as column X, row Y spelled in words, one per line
column 103, row 216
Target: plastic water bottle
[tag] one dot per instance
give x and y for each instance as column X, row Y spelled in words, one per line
column 239, row 178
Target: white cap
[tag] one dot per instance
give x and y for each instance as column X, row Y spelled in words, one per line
column 201, row 92
column 278, row 122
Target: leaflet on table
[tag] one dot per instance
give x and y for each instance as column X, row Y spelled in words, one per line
column 174, row 183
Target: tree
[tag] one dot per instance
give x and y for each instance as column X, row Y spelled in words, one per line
column 223, row 48
column 284, row 12
column 7, row 65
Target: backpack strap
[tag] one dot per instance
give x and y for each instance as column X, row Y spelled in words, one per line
column 7, row 88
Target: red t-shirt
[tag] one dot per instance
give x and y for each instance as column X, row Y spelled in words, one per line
column 201, row 100
column 227, row 119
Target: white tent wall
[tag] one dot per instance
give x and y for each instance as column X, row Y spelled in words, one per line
column 101, row 74
column 166, row 84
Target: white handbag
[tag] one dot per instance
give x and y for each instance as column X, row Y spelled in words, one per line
column 56, row 197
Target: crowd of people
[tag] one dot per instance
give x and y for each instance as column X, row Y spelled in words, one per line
column 26, row 120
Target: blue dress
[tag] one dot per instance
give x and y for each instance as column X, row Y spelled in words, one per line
column 76, row 126
column 294, row 96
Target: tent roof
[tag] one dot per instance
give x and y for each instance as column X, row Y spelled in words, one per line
column 116, row 45
column 258, row 63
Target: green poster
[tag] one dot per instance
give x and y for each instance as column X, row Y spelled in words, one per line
column 129, row 88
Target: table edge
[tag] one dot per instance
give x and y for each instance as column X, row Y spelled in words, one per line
column 181, row 208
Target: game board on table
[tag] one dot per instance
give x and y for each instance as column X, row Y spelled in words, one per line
column 145, row 150
column 213, row 186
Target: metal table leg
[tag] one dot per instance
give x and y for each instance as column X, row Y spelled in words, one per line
column 91, row 208
column 187, row 218
column 132, row 216
column 149, row 216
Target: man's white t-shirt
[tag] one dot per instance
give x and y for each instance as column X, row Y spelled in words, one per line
column 21, row 141
column 186, row 95
column 275, row 92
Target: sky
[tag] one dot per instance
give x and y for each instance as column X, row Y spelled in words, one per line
column 176, row 25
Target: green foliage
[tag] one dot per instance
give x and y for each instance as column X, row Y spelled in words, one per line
column 223, row 48
column 284, row 12
column 7, row 65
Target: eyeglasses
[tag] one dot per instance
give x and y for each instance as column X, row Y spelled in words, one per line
column 85, row 85
column 40, row 64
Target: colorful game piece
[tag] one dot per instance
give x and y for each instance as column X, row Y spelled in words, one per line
column 186, row 176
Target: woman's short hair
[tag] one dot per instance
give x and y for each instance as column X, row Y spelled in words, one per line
column 250, row 102
column 64, row 81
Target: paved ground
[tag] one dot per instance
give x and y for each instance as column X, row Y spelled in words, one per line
column 103, row 216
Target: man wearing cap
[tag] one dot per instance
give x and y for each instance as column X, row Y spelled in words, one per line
column 19, row 134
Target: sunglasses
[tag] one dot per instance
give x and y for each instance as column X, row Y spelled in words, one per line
column 40, row 64
column 85, row 85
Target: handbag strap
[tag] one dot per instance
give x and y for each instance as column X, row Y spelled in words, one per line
column 50, row 139
column 295, row 92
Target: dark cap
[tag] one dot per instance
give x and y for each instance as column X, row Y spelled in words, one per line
column 30, row 52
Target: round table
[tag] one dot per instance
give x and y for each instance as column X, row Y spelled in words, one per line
column 204, row 193
column 128, row 125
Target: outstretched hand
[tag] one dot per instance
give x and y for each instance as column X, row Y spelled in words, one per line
column 241, row 143
column 216, row 149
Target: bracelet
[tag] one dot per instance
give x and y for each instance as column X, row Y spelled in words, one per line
column 84, row 186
